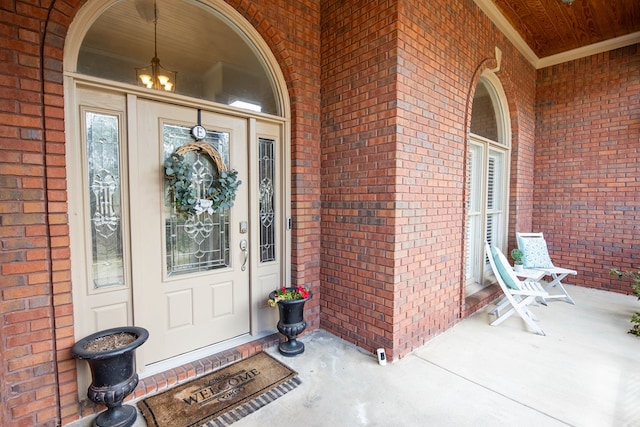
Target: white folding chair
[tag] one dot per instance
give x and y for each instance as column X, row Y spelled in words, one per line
column 519, row 294
column 536, row 257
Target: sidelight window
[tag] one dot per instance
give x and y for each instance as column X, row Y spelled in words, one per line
column 102, row 145
column 266, row 159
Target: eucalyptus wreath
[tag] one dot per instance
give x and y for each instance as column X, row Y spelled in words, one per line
column 220, row 195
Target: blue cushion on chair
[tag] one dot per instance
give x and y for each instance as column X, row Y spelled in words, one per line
column 536, row 254
column 504, row 268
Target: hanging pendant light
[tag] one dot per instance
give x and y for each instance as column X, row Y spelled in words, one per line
column 155, row 76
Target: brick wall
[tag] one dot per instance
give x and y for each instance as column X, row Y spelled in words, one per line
column 31, row 252
column 37, row 373
column 587, row 192
column 359, row 52
column 397, row 84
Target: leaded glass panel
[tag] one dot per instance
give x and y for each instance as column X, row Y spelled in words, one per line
column 198, row 242
column 266, row 168
column 103, row 166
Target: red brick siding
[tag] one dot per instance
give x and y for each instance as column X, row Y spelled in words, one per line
column 31, row 221
column 393, row 167
column 587, row 157
column 359, row 164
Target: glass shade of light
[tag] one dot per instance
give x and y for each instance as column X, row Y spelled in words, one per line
column 155, row 76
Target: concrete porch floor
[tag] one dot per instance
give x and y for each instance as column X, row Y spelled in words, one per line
column 584, row 372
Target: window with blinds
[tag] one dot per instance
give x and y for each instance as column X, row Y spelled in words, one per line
column 487, row 180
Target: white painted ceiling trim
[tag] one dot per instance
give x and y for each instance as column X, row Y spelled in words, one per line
column 593, row 49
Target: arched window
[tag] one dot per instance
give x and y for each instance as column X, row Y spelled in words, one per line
column 211, row 57
column 487, row 178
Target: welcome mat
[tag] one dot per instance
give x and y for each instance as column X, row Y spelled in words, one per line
column 221, row 397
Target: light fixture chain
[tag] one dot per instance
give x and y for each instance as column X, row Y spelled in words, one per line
column 155, row 76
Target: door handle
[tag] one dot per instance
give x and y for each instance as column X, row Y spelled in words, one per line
column 244, row 248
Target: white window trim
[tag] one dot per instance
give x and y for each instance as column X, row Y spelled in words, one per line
column 503, row 144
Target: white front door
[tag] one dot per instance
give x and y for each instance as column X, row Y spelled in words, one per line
column 190, row 272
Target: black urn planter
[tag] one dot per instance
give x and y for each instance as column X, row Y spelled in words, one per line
column 291, row 324
column 113, row 373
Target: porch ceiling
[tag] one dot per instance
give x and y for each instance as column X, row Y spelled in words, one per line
column 552, row 28
column 545, row 31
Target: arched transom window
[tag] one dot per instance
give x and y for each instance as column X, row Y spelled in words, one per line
column 210, row 56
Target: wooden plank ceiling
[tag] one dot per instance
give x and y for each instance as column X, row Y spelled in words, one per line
column 550, row 27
